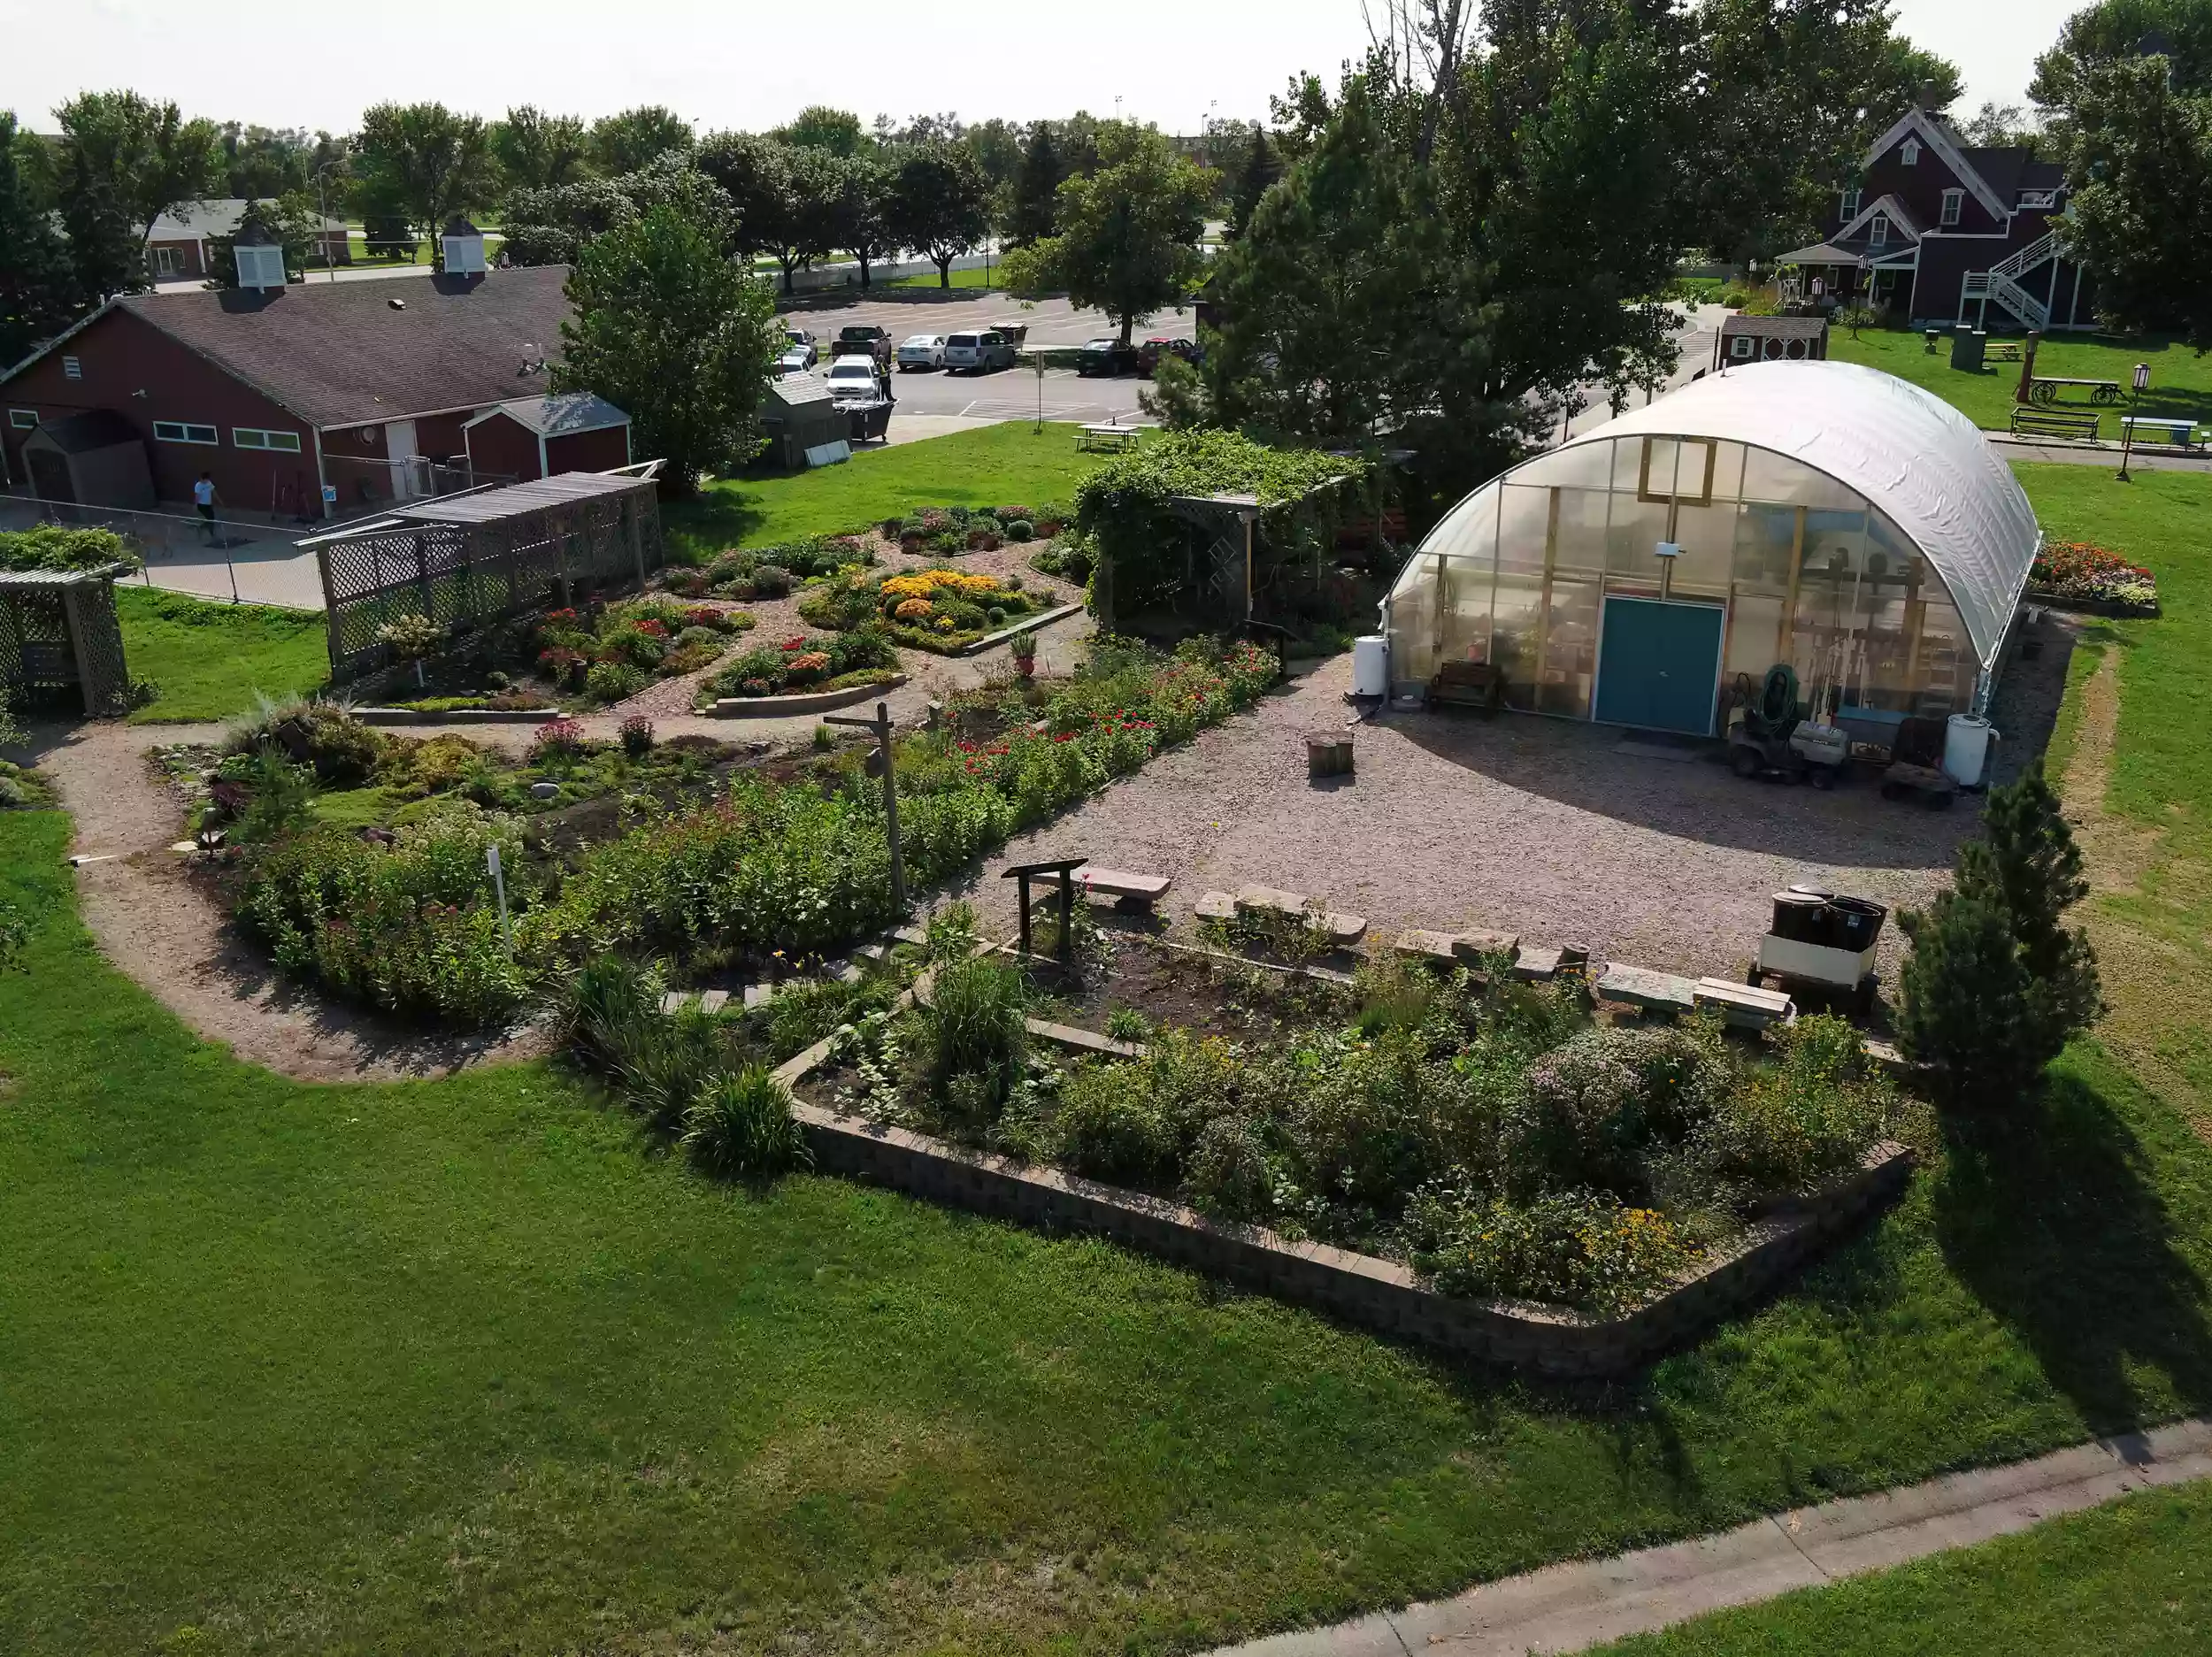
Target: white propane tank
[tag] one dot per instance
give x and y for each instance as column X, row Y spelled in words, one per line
column 1371, row 666
column 1966, row 750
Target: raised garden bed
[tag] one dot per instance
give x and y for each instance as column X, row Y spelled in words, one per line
column 2077, row 576
column 801, row 701
column 1352, row 1197
column 805, row 664
column 943, row 610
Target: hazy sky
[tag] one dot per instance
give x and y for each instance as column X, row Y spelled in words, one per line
column 283, row 63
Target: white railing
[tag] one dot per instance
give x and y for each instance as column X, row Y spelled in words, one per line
column 2018, row 301
column 2045, row 246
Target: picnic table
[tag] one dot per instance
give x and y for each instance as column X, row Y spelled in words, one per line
column 2004, row 351
column 1108, row 436
column 2052, row 390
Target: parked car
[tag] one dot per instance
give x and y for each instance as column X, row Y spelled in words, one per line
column 1149, row 353
column 854, row 378
column 797, row 360
column 979, row 353
column 800, row 341
column 1105, row 357
column 922, row 350
column 859, row 339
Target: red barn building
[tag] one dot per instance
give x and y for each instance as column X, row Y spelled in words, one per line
column 362, row 388
column 1943, row 233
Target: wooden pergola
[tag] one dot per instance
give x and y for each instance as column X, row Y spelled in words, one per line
column 59, row 631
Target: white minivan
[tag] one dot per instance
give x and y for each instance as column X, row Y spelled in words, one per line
column 978, row 353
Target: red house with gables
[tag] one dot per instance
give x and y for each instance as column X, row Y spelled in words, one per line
column 1942, row 233
column 362, row 390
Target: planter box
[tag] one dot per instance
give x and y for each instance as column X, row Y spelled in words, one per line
column 810, row 701
column 1377, row 1294
column 459, row 715
column 2049, row 600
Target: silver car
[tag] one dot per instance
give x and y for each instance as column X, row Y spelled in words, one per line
column 978, row 353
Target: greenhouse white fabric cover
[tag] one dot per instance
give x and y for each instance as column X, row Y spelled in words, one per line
column 1905, row 450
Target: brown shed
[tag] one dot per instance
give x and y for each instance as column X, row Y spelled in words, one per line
column 1771, row 340
column 798, row 415
column 90, row 459
column 542, row 437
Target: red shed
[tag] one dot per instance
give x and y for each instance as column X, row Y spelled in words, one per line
column 539, row 437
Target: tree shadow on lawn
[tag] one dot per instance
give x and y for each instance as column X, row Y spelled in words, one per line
column 714, row 518
column 2055, row 1222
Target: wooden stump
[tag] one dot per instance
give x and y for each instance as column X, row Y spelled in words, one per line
column 1328, row 754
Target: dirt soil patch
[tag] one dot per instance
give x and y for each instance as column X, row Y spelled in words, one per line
column 1177, row 989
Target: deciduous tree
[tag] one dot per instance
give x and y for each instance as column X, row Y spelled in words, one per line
column 538, row 151
column 674, row 332
column 755, row 173
column 425, row 163
column 1033, row 204
column 37, row 286
column 107, row 246
column 149, row 157
column 940, row 204
column 862, row 211
column 625, row 143
column 1127, row 242
column 819, row 126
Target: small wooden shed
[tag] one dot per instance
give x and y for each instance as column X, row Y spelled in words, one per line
column 89, row 459
column 528, row 438
column 1771, row 340
column 798, row 415
column 58, row 632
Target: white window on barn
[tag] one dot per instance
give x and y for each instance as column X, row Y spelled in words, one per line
column 1850, row 205
column 72, row 369
column 23, row 419
column 185, row 432
column 256, row 437
column 167, row 261
column 1740, row 346
column 1878, row 232
column 1910, row 154
column 1953, row 204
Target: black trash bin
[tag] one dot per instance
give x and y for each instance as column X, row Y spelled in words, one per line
column 1801, row 918
column 1857, row 922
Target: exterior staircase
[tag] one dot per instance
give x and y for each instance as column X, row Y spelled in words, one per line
column 1999, row 282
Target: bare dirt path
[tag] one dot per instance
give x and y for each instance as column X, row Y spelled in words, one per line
column 156, row 925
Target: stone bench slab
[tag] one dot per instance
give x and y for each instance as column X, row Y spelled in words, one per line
column 1472, row 947
column 1536, row 966
column 1270, row 901
column 1639, row 987
column 1115, row 883
column 1743, row 1005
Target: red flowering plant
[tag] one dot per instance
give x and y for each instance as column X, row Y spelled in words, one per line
column 556, row 738
column 2078, row 569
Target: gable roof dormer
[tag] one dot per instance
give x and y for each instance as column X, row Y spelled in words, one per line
column 1916, row 126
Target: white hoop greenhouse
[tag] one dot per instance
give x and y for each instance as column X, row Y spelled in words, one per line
column 1820, row 514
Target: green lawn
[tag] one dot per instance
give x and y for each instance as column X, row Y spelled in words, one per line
column 2181, row 381
column 2131, row 1580
column 208, row 659
column 1008, row 464
column 980, row 277
column 462, row 1366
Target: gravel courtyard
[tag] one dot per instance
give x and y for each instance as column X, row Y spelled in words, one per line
column 1543, row 827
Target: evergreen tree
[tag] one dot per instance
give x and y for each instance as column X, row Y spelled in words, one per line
column 1997, row 984
column 37, row 286
column 1262, row 166
column 1032, row 214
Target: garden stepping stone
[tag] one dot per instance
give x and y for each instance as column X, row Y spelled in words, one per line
column 1344, row 930
column 913, row 935
column 1435, row 947
column 672, row 1002
column 874, row 955
column 1270, row 901
column 545, row 790
column 1537, row 965
column 1215, row 906
column 1472, row 947
column 714, row 1000
column 1639, row 987
column 758, row 995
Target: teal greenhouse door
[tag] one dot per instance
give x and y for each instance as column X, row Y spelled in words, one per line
column 1659, row 664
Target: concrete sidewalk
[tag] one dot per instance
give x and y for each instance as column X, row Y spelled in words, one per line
column 1568, row 1607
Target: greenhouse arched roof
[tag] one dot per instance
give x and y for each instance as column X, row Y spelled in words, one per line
column 1906, row 451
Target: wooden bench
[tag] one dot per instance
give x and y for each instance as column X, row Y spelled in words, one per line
column 2080, row 428
column 1467, row 685
column 2160, row 429
column 1108, row 436
column 1129, row 890
column 1746, row 1007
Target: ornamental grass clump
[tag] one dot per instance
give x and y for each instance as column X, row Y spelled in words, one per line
column 976, row 1040
column 740, row 1127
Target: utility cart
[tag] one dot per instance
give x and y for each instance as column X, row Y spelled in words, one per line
column 1819, row 947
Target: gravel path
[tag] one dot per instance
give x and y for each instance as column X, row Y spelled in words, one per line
column 155, row 925
column 1542, row 827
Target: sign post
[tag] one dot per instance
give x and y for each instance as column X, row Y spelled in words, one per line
column 499, row 886
column 881, row 728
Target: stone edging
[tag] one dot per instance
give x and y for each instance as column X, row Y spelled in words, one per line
column 812, row 702
column 1379, row 1294
column 2048, row 600
column 1028, row 623
column 460, row 716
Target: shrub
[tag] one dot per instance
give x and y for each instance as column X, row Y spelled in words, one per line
column 343, row 751
column 1800, row 1127
column 54, row 547
column 637, row 736
column 951, row 932
column 1020, row 529
column 665, row 1060
column 975, row 1037
column 612, row 681
column 1578, row 1248
column 1228, row 1175
column 740, row 1127
column 605, row 1000
column 556, row 738
column 771, row 580
column 1597, row 1110
column 1109, row 1126
column 283, row 797
column 411, row 638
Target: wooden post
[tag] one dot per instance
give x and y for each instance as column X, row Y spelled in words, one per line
column 1021, row 887
column 1067, row 917
column 880, row 727
column 2027, row 363
column 634, row 519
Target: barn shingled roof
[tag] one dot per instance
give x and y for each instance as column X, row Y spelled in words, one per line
column 343, row 353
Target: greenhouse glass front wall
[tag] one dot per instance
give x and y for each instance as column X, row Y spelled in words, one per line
column 1800, row 568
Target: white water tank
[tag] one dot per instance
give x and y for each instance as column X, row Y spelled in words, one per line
column 1966, row 750
column 1371, row 666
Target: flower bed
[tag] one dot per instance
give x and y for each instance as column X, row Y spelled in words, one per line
column 2076, row 572
column 610, row 655
column 948, row 531
column 935, row 608
column 1489, row 1139
column 807, row 662
column 770, row 572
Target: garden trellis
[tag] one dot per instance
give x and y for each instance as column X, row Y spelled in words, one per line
column 59, row 631
column 469, row 562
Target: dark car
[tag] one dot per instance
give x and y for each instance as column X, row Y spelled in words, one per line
column 1106, row 358
column 1149, row 353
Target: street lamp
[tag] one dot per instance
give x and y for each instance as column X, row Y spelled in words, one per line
column 2127, row 426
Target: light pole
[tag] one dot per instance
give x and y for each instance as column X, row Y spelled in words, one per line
column 2127, row 424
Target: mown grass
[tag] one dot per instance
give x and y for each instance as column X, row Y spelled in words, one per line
column 2131, row 1580
column 979, row 277
column 2181, row 381
column 464, row 1366
column 210, row 659
column 1011, row 464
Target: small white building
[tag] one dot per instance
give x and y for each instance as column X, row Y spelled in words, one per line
column 1820, row 514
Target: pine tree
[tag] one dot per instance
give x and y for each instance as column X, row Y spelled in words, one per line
column 1034, row 214
column 1262, row 167
column 1987, row 1025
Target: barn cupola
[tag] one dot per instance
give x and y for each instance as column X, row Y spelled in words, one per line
column 463, row 248
column 259, row 254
